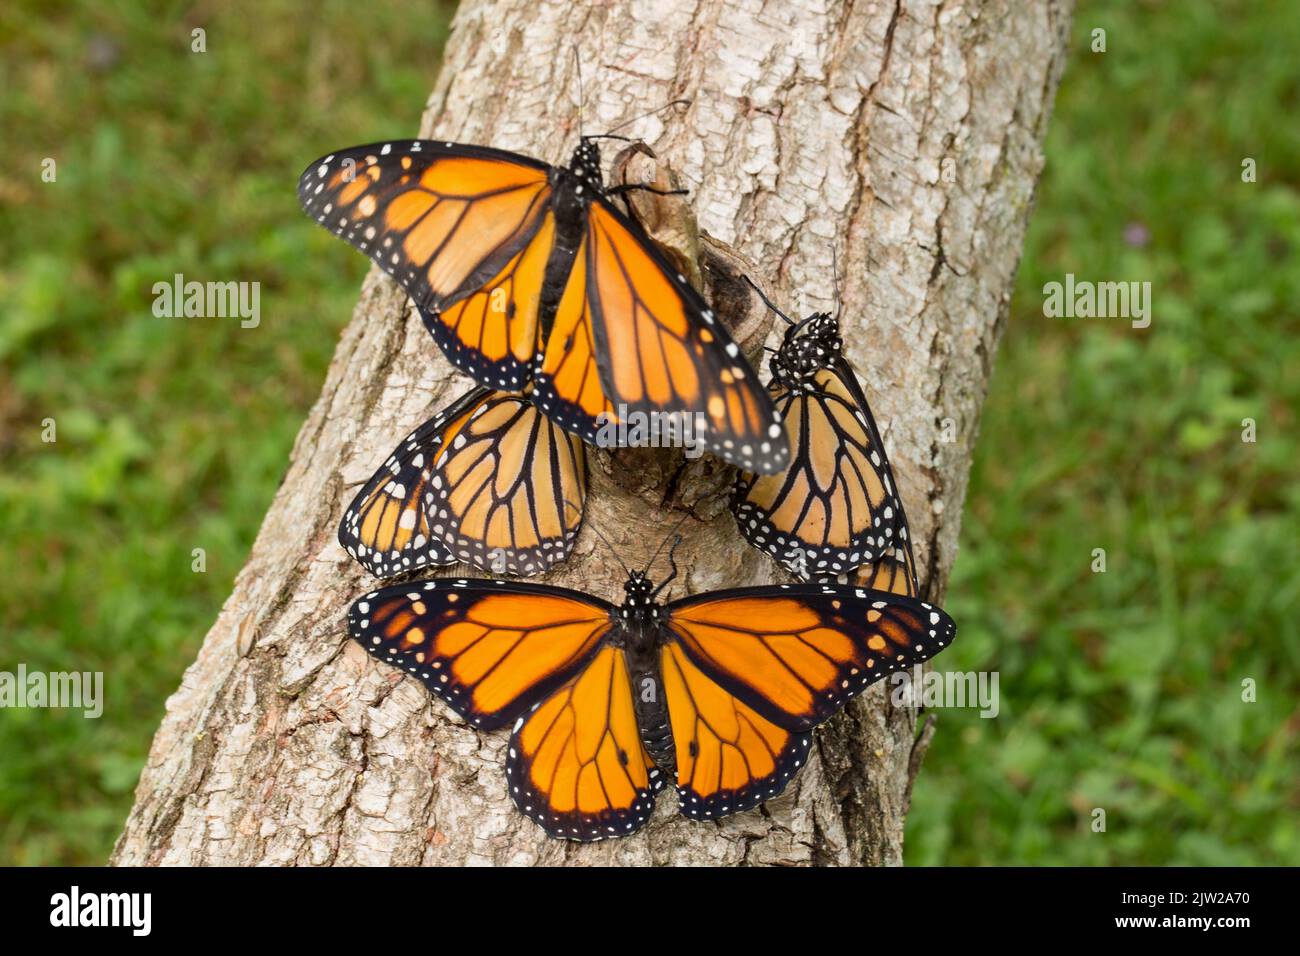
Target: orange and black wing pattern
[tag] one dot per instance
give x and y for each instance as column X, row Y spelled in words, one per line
column 895, row 571
column 835, row 507
column 388, row 528
column 576, row 763
column 631, row 335
column 465, row 230
column 508, row 486
column 796, row 653
column 489, row 480
column 729, row 757
column 491, row 650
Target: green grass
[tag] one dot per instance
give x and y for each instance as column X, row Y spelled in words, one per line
column 1119, row 691
column 1122, row 690
column 172, row 433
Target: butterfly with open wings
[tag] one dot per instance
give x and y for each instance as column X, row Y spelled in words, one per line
column 718, row 691
column 526, row 272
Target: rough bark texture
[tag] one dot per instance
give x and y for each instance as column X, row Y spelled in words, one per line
column 904, row 136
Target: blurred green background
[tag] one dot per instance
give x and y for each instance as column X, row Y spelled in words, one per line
column 1119, row 690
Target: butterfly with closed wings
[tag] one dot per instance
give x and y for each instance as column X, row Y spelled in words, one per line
column 488, row 480
column 718, row 691
column 835, row 507
column 525, row 272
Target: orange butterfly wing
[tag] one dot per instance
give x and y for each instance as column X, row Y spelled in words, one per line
column 465, row 230
column 489, row 649
column 630, row 331
column 729, row 757
column 576, row 764
column 798, row 653
column 488, row 480
column 835, row 507
column 508, row 487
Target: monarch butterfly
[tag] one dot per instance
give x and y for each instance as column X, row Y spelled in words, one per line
column 488, row 480
column 525, row 272
column 719, row 690
column 835, row 506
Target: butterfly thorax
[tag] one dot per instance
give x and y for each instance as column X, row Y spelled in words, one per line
column 573, row 188
column 577, row 184
column 638, row 627
column 585, row 164
column 809, row 347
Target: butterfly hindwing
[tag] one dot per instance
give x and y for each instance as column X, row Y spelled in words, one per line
column 797, row 653
column 465, row 230
column 576, row 763
column 729, row 757
column 508, row 486
column 388, row 527
column 490, row 649
column 836, row 506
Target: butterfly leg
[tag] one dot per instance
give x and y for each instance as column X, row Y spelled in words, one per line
column 645, row 187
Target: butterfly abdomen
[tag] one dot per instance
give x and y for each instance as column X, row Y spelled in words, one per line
column 651, row 708
column 569, row 206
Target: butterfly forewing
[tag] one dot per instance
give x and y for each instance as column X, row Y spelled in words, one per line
column 489, row 649
column 895, row 572
column 447, row 221
column 797, row 653
column 835, row 507
column 662, row 350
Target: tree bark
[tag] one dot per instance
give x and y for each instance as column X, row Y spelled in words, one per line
column 904, row 138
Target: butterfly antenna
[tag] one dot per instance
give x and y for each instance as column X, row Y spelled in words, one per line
column 672, row 562
column 582, row 96
column 835, row 281
column 657, row 109
column 768, row 302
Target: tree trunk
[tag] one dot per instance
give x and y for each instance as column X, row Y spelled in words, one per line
column 905, row 139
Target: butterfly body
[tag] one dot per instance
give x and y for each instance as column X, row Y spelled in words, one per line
column 834, row 507
column 572, row 188
column 637, row 628
column 810, row 346
column 719, row 690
